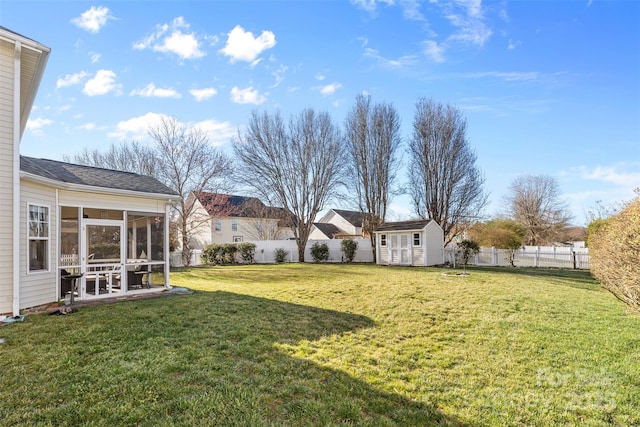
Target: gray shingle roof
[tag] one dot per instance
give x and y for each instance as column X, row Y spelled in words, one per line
column 327, row 229
column 94, row 177
column 416, row 224
column 353, row 217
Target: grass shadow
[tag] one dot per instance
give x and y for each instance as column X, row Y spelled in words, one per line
column 210, row 358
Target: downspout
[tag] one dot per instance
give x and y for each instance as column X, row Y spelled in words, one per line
column 15, row 274
column 167, row 252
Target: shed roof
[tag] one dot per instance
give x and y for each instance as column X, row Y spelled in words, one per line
column 93, row 177
column 416, row 224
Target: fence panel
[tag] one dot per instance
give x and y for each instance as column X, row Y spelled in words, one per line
column 528, row 256
column 265, row 252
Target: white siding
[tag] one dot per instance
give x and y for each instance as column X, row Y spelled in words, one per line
column 434, row 240
column 201, row 227
column 418, row 253
column 40, row 287
column 6, row 175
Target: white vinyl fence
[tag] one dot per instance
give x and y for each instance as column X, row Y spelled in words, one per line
column 528, row 256
column 265, row 252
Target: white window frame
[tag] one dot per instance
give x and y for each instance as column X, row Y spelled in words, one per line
column 46, row 238
column 217, row 225
column 237, row 239
column 234, row 225
column 419, row 238
column 383, row 240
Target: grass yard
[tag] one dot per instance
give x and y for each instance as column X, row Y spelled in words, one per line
column 323, row 345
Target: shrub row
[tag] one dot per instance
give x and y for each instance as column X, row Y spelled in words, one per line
column 225, row 253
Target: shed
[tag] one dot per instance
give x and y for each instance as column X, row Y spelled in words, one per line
column 415, row 243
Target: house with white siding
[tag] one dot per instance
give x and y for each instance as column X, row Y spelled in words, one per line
column 339, row 224
column 414, row 243
column 227, row 218
column 69, row 230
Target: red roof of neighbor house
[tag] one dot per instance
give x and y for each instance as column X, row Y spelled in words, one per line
column 229, row 205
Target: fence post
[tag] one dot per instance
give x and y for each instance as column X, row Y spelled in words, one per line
column 494, row 255
column 574, row 259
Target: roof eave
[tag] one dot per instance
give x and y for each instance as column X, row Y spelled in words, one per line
column 92, row 189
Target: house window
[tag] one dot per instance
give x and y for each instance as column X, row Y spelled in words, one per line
column 218, row 225
column 237, row 239
column 234, row 225
column 416, row 239
column 383, row 240
column 38, row 232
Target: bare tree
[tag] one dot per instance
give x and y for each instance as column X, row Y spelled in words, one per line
column 444, row 182
column 534, row 202
column 187, row 163
column 373, row 137
column 130, row 157
column 265, row 222
column 299, row 167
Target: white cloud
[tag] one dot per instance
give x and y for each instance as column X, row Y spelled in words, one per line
column 329, row 89
column 88, row 126
column 243, row 46
column 102, row 83
column 203, row 94
column 136, row 128
column 151, row 91
column 218, row 133
column 618, row 174
column 468, row 18
column 169, row 38
column 95, row 57
column 93, row 19
column 246, row 96
column 279, row 75
column 434, row 51
column 36, row 125
column 610, row 184
column 371, row 5
column 320, row 76
column 401, row 62
column 509, row 76
column 71, row 79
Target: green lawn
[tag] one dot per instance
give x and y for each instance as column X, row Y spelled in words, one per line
column 329, row 345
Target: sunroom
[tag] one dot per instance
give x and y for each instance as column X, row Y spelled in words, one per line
column 96, row 232
column 117, row 251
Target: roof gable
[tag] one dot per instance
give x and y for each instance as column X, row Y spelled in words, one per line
column 352, row 217
column 93, row 177
column 327, row 229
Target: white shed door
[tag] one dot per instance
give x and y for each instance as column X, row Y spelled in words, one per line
column 399, row 249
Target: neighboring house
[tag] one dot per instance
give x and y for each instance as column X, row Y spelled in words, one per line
column 416, row 243
column 338, row 224
column 58, row 219
column 226, row 218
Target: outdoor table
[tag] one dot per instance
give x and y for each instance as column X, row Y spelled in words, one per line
column 141, row 273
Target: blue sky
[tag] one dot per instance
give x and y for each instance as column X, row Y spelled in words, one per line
column 547, row 87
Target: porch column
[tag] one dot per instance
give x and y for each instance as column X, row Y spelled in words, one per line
column 167, row 251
